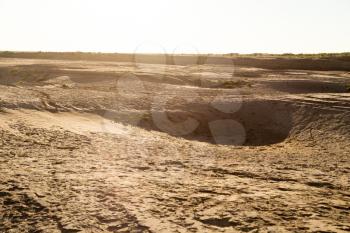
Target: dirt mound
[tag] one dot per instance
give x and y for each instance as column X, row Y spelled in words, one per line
column 61, row 81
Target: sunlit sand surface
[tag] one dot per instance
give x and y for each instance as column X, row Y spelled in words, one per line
column 102, row 147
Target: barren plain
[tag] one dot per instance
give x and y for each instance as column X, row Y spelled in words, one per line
column 97, row 146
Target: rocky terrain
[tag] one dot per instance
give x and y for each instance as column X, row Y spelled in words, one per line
column 97, row 146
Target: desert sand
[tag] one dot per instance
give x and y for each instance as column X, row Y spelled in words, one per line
column 98, row 146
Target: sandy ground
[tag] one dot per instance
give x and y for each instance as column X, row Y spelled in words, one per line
column 121, row 147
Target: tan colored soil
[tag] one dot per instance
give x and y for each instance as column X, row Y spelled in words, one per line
column 85, row 147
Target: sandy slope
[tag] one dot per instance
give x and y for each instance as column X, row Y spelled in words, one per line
column 83, row 153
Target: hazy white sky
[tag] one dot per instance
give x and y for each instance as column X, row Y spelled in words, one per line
column 206, row 26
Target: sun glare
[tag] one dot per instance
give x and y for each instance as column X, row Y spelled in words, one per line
column 183, row 26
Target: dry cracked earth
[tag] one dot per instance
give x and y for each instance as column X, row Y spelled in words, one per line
column 119, row 147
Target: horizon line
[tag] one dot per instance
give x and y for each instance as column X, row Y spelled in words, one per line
column 156, row 53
